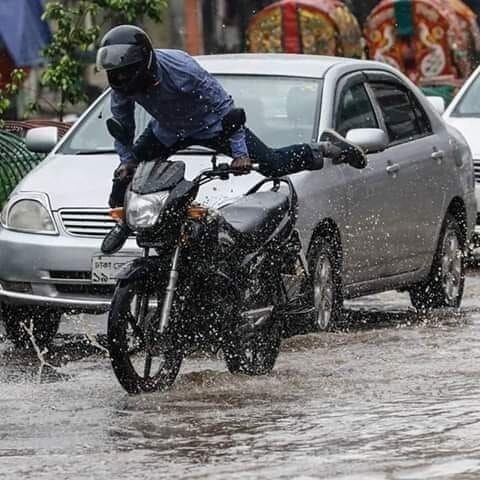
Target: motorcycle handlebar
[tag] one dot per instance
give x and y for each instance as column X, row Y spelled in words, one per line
column 224, row 170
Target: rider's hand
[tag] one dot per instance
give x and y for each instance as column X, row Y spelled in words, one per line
column 125, row 170
column 243, row 164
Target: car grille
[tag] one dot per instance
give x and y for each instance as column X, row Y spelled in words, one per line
column 78, row 283
column 476, row 169
column 90, row 290
column 87, row 222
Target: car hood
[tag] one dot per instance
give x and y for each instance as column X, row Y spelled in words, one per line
column 84, row 181
column 469, row 127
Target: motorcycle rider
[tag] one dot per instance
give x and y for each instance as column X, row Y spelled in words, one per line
column 189, row 107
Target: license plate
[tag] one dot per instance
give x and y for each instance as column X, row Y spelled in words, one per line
column 106, row 267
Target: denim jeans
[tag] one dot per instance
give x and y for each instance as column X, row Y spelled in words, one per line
column 272, row 161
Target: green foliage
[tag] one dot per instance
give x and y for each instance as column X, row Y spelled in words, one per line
column 17, row 77
column 130, row 10
column 71, row 39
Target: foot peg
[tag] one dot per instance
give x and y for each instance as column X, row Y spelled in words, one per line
column 254, row 320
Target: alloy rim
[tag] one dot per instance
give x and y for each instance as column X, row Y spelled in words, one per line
column 323, row 292
column 451, row 266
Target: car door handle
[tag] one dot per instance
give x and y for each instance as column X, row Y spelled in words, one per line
column 438, row 155
column 393, row 168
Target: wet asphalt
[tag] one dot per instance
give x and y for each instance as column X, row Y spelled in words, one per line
column 395, row 396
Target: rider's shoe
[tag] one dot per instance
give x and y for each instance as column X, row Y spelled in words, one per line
column 115, row 238
column 340, row 150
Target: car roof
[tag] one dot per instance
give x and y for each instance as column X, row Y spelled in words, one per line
column 275, row 64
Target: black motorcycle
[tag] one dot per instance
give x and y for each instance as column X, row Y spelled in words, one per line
column 209, row 279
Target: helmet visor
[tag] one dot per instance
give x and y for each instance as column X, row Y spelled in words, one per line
column 118, row 56
column 126, row 77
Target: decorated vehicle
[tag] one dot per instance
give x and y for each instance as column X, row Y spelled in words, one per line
column 434, row 42
column 319, row 27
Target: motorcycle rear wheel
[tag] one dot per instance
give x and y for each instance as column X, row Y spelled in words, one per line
column 255, row 356
column 129, row 336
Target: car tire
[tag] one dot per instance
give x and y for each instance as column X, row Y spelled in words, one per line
column 45, row 324
column 326, row 287
column 445, row 283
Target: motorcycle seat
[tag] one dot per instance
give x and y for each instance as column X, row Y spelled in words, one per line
column 255, row 217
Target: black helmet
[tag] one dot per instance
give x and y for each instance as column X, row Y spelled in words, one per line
column 126, row 53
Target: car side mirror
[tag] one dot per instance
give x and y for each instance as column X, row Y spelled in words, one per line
column 41, row 139
column 370, row 140
column 118, row 131
column 438, row 103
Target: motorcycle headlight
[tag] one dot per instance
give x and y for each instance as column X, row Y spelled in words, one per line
column 143, row 210
column 29, row 214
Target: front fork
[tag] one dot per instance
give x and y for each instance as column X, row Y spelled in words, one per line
column 170, row 291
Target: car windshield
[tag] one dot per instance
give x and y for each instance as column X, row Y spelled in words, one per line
column 469, row 104
column 280, row 110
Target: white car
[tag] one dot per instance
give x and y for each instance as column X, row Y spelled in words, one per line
column 400, row 223
column 464, row 114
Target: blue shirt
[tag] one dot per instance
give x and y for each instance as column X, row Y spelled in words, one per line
column 185, row 102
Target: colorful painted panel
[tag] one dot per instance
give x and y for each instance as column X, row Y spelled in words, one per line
column 436, row 49
column 317, row 32
column 349, row 33
column 265, row 32
column 322, row 27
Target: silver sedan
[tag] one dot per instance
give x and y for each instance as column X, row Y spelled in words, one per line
column 401, row 223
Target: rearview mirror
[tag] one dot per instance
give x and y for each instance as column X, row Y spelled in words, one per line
column 118, row 131
column 370, row 140
column 438, row 103
column 41, row 139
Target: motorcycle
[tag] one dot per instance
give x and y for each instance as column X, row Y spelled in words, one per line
column 208, row 279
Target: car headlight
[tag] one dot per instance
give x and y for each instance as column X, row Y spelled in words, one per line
column 143, row 210
column 29, row 214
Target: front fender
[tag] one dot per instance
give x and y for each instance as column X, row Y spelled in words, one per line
column 144, row 268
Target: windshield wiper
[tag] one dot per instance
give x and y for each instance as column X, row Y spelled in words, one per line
column 93, row 152
column 195, row 150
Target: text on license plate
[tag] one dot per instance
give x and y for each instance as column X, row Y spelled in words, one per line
column 106, row 267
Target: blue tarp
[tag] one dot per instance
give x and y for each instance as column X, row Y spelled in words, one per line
column 22, row 30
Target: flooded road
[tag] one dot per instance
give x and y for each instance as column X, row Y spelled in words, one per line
column 395, row 397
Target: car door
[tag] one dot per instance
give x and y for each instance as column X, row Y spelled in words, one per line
column 409, row 191
column 363, row 234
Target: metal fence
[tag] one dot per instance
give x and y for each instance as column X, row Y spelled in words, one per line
column 15, row 162
column 15, row 159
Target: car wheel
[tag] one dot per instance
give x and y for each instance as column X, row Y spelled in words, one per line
column 16, row 318
column 444, row 286
column 326, row 285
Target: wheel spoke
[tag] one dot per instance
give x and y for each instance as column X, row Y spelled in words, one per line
column 323, row 291
column 137, row 322
column 453, row 247
column 137, row 331
column 451, row 265
column 148, row 365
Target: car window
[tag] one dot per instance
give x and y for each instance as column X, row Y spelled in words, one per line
column 404, row 117
column 280, row 110
column 355, row 110
column 469, row 103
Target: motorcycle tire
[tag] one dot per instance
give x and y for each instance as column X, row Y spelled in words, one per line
column 255, row 356
column 445, row 284
column 125, row 342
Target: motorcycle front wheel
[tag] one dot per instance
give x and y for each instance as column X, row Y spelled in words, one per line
column 139, row 360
